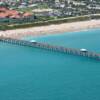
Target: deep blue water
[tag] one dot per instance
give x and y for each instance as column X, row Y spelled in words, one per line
column 34, row 74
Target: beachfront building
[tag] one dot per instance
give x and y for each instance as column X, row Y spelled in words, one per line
column 18, row 9
column 13, row 16
column 43, row 12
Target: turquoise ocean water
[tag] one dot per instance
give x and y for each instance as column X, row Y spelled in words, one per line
column 35, row 74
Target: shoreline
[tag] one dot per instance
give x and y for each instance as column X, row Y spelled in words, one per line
column 51, row 29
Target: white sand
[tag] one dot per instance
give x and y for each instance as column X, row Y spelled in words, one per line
column 51, row 29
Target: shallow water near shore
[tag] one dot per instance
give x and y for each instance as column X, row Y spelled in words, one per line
column 79, row 39
column 34, row 74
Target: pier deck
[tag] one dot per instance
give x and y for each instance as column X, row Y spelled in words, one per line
column 50, row 47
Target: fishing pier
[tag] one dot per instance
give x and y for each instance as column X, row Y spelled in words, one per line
column 47, row 46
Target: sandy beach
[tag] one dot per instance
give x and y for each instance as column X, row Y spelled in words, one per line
column 51, row 29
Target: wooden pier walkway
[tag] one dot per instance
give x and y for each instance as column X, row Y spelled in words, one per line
column 50, row 47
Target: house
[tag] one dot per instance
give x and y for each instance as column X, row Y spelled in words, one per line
column 27, row 14
column 8, row 13
column 42, row 12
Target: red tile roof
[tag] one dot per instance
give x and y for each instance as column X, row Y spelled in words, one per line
column 4, row 13
column 2, row 9
column 12, row 12
column 27, row 14
column 15, row 16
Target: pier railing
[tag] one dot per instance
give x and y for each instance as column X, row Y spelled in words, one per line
column 51, row 47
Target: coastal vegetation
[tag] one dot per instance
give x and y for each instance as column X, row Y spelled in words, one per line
column 49, row 22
